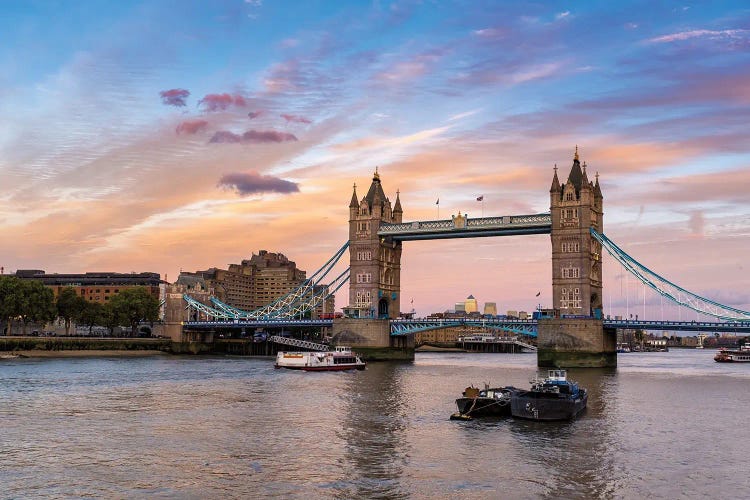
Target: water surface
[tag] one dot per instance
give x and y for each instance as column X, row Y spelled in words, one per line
column 662, row 425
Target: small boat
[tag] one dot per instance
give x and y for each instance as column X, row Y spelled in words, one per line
column 488, row 402
column 552, row 398
column 342, row 358
column 733, row 356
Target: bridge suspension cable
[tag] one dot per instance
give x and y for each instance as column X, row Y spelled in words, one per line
column 668, row 289
column 307, row 296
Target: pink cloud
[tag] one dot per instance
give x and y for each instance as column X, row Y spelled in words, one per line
column 295, row 118
column 251, row 137
column 220, row 102
column 191, row 126
column 174, row 97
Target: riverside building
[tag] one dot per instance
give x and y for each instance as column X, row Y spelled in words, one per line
column 97, row 286
column 255, row 282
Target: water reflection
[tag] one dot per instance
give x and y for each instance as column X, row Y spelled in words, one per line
column 573, row 458
column 374, row 427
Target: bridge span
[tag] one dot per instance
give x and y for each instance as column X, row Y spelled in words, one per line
column 527, row 327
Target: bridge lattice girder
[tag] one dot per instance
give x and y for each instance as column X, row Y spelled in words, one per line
column 408, row 326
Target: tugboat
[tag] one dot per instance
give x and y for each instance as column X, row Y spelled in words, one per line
column 552, row 398
column 317, row 361
column 488, row 402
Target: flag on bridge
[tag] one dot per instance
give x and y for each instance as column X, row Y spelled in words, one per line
column 437, row 202
column 480, row 198
column 538, row 294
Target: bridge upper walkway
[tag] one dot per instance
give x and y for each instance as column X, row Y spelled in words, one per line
column 465, row 227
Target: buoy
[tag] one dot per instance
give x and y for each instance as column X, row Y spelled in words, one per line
column 461, row 416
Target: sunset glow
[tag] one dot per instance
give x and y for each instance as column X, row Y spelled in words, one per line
column 159, row 136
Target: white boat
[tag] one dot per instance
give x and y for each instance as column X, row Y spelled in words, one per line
column 342, row 358
column 733, row 356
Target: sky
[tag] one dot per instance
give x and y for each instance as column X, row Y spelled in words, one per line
column 161, row 136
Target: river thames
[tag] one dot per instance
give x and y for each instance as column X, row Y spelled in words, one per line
column 662, row 425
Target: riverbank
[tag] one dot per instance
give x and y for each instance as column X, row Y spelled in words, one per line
column 37, row 353
column 432, row 348
column 86, row 346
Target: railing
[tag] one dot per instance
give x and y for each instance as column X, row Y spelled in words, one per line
column 305, row 344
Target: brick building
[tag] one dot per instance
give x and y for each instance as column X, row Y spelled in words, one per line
column 95, row 287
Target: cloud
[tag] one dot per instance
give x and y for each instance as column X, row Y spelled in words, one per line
column 220, row 102
column 191, row 126
column 246, row 183
column 737, row 34
column 489, row 33
column 252, row 137
column 697, row 224
column 256, row 114
column 295, row 118
column 174, row 97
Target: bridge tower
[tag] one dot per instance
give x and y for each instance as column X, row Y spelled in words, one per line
column 375, row 264
column 576, row 336
column 375, row 280
column 576, row 206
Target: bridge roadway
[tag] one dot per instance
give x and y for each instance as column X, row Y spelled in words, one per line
column 519, row 326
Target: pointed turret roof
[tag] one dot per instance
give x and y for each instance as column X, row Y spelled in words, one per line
column 555, row 182
column 354, row 203
column 597, row 188
column 576, row 175
column 375, row 194
column 397, row 206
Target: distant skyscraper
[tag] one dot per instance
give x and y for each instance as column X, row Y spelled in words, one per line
column 490, row 308
column 471, row 304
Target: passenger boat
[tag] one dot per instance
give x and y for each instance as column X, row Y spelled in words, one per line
column 342, row 358
column 552, row 398
column 488, row 402
column 733, row 356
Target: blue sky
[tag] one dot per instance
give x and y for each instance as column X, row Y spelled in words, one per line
column 287, row 104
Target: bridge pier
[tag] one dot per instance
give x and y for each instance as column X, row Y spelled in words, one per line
column 573, row 343
column 372, row 339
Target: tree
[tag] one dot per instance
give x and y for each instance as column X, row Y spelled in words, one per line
column 93, row 314
column 135, row 305
column 109, row 317
column 38, row 303
column 11, row 300
column 70, row 306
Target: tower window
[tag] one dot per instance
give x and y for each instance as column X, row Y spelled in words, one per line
column 569, row 197
column 570, row 272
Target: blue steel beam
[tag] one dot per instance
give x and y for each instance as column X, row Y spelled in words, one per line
column 507, row 225
column 522, row 327
column 407, row 326
column 268, row 323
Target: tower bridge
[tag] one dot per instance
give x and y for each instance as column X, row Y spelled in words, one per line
column 576, row 335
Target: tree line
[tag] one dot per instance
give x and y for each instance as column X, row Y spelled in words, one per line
column 29, row 301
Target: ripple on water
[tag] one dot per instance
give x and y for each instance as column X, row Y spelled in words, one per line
column 214, row 427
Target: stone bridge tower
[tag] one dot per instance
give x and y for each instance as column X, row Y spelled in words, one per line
column 576, row 337
column 576, row 206
column 375, row 264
